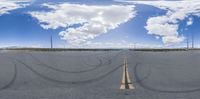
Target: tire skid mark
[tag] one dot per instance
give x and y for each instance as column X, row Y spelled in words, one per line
column 96, row 54
column 81, row 71
column 109, row 59
column 140, row 81
column 10, row 83
column 94, row 65
column 143, row 78
column 142, row 84
column 100, row 59
column 69, row 82
column 64, row 71
column 137, row 63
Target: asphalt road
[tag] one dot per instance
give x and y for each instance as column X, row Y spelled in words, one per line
column 99, row 75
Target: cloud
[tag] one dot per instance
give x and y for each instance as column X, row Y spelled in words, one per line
column 119, row 44
column 125, row 44
column 159, row 26
column 8, row 5
column 83, row 22
column 15, row 45
column 190, row 21
column 167, row 26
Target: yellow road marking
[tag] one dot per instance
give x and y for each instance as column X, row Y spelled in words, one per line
column 126, row 81
column 130, row 84
column 123, row 77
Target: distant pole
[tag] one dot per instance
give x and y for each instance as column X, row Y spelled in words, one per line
column 51, row 41
column 187, row 41
column 192, row 40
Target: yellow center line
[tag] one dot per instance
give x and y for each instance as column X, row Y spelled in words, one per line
column 126, row 81
column 123, row 77
column 130, row 84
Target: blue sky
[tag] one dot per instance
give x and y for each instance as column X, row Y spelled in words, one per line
column 22, row 26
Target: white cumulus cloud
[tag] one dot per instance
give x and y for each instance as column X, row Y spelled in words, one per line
column 167, row 25
column 8, row 5
column 190, row 21
column 83, row 22
column 118, row 44
column 159, row 26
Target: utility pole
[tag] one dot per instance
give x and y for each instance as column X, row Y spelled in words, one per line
column 51, row 41
column 192, row 40
column 187, row 41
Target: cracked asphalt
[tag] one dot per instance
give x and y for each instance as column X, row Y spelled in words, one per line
column 98, row 74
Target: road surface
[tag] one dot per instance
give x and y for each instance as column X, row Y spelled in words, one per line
column 99, row 75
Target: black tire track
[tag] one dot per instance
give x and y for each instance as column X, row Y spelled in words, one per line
column 81, row 71
column 136, row 56
column 12, row 80
column 93, row 54
column 142, row 84
column 69, row 82
column 108, row 60
column 94, row 65
column 143, row 78
column 64, row 71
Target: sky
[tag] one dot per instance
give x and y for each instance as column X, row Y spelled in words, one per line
column 99, row 23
